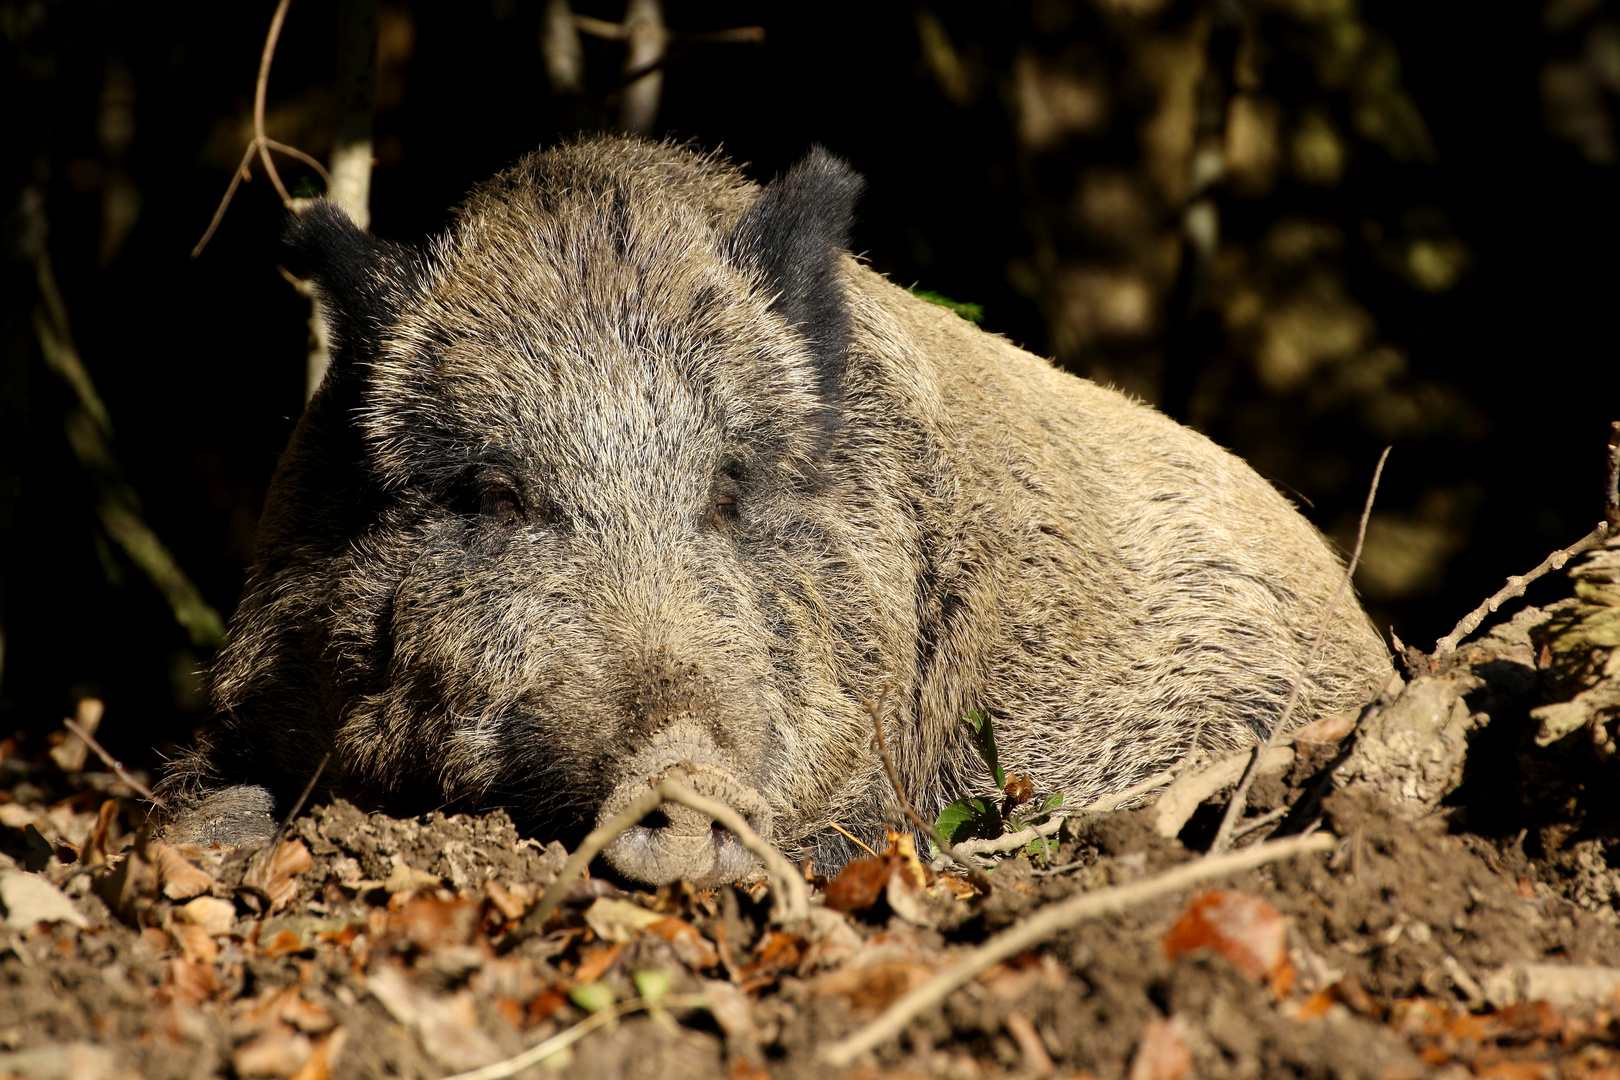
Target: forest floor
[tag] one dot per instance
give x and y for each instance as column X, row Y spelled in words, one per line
column 1454, row 915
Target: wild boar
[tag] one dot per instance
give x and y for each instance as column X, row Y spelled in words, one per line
column 635, row 470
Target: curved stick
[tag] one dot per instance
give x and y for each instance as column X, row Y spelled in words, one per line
column 1053, row 920
column 792, row 898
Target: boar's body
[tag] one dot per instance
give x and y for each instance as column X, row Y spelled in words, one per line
column 634, row 470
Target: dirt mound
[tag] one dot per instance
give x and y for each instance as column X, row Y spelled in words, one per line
column 1461, row 920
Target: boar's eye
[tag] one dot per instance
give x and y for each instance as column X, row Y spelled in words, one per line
column 725, row 508
column 500, row 504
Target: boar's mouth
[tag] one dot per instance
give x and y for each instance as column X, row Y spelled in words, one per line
column 675, row 842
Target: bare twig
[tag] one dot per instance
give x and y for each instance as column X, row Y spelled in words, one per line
column 1609, row 526
column 1515, row 586
column 1012, row 841
column 1240, row 797
column 792, row 898
column 646, row 42
column 1053, row 920
column 564, row 1039
column 852, row 838
column 115, row 765
column 298, row 804
column 975, row 875
column 1611, row 497
column 261, row 143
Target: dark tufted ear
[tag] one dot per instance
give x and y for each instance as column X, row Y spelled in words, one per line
column 361, row 280
column 794, row 235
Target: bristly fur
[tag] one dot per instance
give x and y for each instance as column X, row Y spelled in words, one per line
column 634, row 456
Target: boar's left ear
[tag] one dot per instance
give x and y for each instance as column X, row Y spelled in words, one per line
column 795, row 234
column 361, row 279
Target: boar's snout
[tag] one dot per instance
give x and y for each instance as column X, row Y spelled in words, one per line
column 675, row 842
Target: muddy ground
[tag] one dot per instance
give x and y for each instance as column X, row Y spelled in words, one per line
column 1462, row 922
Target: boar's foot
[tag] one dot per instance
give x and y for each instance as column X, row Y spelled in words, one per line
column 675, row 842
column 231, row 817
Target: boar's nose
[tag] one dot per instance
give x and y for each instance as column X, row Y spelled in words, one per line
column 675, row 842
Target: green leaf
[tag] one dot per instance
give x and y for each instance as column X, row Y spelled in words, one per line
column 652, row 984
column 968, row 819
column 1053, row 801
column 973, row 313
column 592, row 996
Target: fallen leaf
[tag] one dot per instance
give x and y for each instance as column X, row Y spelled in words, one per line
column 858, row 886
column 277, row 1050
column 196, row 943
column 285, row 943
column 1245, row 929
column 274, row 877
column 406, row 879
column 29, row 899
column 178, row 877
column 596, row 962
column 691, row 947
column 1160, row 1055
column 323, row 1058
column 619, row 920
column 512, row 903
column 446, row 1025
column 216, row 916
column 871, row 988
column 429, row 922
column 190, row 981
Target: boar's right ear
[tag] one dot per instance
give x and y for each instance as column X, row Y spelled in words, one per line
column 795, row 234
column 361, row 279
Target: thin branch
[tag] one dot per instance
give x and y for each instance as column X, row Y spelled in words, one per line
column 115, row 765
column 1015, row 840
column 239, row 174
column 564, row 1039
column 852, row 838
column 1053, row 920
column 1515, row 587
column 298, row 805
column 261, row 90
column 1611, row 498
column 980, row 880
column 792, row 898
column 1609, row 526
column 261, row 143
column 294, row 152
column 1240, row 797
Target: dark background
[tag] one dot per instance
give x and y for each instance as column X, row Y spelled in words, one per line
column 1418, row 219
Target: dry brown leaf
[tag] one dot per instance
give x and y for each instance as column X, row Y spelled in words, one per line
column 191, row 981
column 429, row 922
column 277, row 1050
column 858, row 886
column 216, row 916
column 26, row 899
column 304, row 1014
column 690, row 946
column 323, row 1058
column 179, row 878
column 1160, row 1055
column 275, row 877
column 619, row 920
column 596, row 962
column 512, row 903
column 446, row 1025
column 196, row 943
column 871, row 988
column 778, row 951
column 285, row 943
column 1245, row 929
